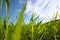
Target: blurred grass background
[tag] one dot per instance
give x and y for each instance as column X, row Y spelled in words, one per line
column 30, row 31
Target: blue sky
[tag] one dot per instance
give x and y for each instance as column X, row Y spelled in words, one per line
column 14, row 9
column 45, row 9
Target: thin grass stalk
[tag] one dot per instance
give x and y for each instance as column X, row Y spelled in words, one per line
column 7, row 10
column 32, row 23
column 55, row 32
column 1, row 29
column 54, row 25
column 1, row 24
column 32, row 32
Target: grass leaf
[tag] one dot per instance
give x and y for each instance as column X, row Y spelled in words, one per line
column 17, row 33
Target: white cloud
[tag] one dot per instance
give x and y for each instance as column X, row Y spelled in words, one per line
column 38, row 8
column 29, row 6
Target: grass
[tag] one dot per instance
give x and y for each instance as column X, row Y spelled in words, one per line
column 30, row 31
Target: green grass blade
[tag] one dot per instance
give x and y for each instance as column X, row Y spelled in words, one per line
column 55, row 32
column 6, row 20
column 17, row 33
column 56, row 15
column 1, row 29
column 32, row 32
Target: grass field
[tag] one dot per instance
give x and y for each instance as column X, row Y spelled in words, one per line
column 30, row 31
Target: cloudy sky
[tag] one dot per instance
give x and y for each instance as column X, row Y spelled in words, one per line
column 45, row 9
